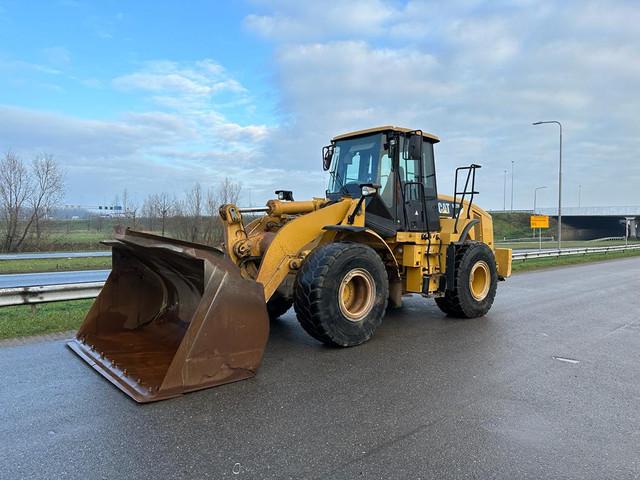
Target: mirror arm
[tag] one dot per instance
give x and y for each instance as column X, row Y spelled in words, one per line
column 356, row 211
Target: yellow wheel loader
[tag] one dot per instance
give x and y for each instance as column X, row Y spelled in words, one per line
column 175, row 316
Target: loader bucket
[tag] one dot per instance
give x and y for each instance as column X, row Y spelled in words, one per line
column 172, row 317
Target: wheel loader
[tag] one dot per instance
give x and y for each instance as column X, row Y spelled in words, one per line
column 175, row 316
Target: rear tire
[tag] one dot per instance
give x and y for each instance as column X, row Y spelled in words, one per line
column 341, row 293
column 475, row 282
column 278, row 305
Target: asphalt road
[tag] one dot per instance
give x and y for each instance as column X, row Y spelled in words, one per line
column 39, row 255
column 52, row 278
column 428, row 397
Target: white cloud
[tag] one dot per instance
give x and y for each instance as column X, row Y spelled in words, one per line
column 184, row 139
column 205, row 78
column 311, row 20
column 58, row 56
column 477, row 74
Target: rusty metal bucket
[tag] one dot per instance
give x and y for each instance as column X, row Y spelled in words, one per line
column 173, row 317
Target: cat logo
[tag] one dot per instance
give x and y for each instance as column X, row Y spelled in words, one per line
column 446, row 209
column 443, row 208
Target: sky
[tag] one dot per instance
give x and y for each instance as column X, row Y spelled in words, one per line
column 155, row 96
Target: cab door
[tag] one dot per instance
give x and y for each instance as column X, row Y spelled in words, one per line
column 417, row 185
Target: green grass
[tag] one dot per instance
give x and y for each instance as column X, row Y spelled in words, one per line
column 25, row 320
column 511, row 225
column 538, row 263
column 54, row 264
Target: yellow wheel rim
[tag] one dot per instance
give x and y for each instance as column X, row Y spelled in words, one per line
column 480, row 280
column 356, row 295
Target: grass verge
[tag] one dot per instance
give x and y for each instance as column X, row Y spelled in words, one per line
column 25, row 320
column 54, row 264
column 538, row 263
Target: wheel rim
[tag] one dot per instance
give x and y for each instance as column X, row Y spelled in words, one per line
column 356, row 294
column 480, row 280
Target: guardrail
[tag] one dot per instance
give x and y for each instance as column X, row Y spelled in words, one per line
column 78, row 291
column 524, row 240
column 572, row 251
column 48, row 293
column 49, row 255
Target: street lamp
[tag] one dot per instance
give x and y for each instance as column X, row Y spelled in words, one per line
column 512, row 162
column 579, row 195
column 559, row 182
column 535, row 194
column 504, row 193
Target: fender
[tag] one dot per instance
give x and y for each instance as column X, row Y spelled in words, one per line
column 360, row 235
column 291, row 239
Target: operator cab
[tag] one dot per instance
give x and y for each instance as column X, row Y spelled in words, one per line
column 395, row 169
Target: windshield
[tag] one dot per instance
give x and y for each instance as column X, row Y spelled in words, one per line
column 357, row 161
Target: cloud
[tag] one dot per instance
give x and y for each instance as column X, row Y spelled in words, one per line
column 58, row 56
column 184, row 138
column 477, row 75
column 144, row 152
column 13, row 65
column 205, row 78
column 312, row 20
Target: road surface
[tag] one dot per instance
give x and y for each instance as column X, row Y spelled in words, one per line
column 39, row 255
column 546, row 386
column 51, row 278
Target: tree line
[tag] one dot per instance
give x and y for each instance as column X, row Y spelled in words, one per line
column 193, row 217
column 31, row 191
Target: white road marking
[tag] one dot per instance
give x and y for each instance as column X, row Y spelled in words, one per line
column 568, row 360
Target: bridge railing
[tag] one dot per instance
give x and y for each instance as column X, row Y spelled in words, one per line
column 622, row 211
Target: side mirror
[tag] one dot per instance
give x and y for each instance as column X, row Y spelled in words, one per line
column 327, row 156
column 368, row 189
column 413, row 146
column 284, row 195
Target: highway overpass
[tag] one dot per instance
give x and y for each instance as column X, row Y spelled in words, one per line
column 586, row 223
column 596, row 222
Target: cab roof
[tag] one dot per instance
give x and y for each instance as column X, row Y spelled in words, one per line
column 384, row 128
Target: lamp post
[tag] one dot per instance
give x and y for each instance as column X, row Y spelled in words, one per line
column 579, row 195
column 535, row 194
column 559, row 182
column 504, row 193
column 512, row 162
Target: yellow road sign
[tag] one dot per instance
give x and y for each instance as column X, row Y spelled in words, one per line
column 539, row 221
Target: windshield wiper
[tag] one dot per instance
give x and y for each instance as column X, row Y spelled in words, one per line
column 342, row 188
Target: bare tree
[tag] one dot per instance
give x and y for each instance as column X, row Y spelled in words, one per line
column 125, row 200
column 132, row 212
column 26, row 196
column 150, row 210
column 228, row 192
column 194, row 204
column 49, row 186
column 163, row 205
column 212, row 230
column 15, row 190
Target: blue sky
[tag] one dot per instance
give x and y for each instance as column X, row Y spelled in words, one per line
column 154, row 96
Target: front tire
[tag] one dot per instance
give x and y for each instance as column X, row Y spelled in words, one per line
column 341, row 293
column 278, row 305
column 475, row 282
